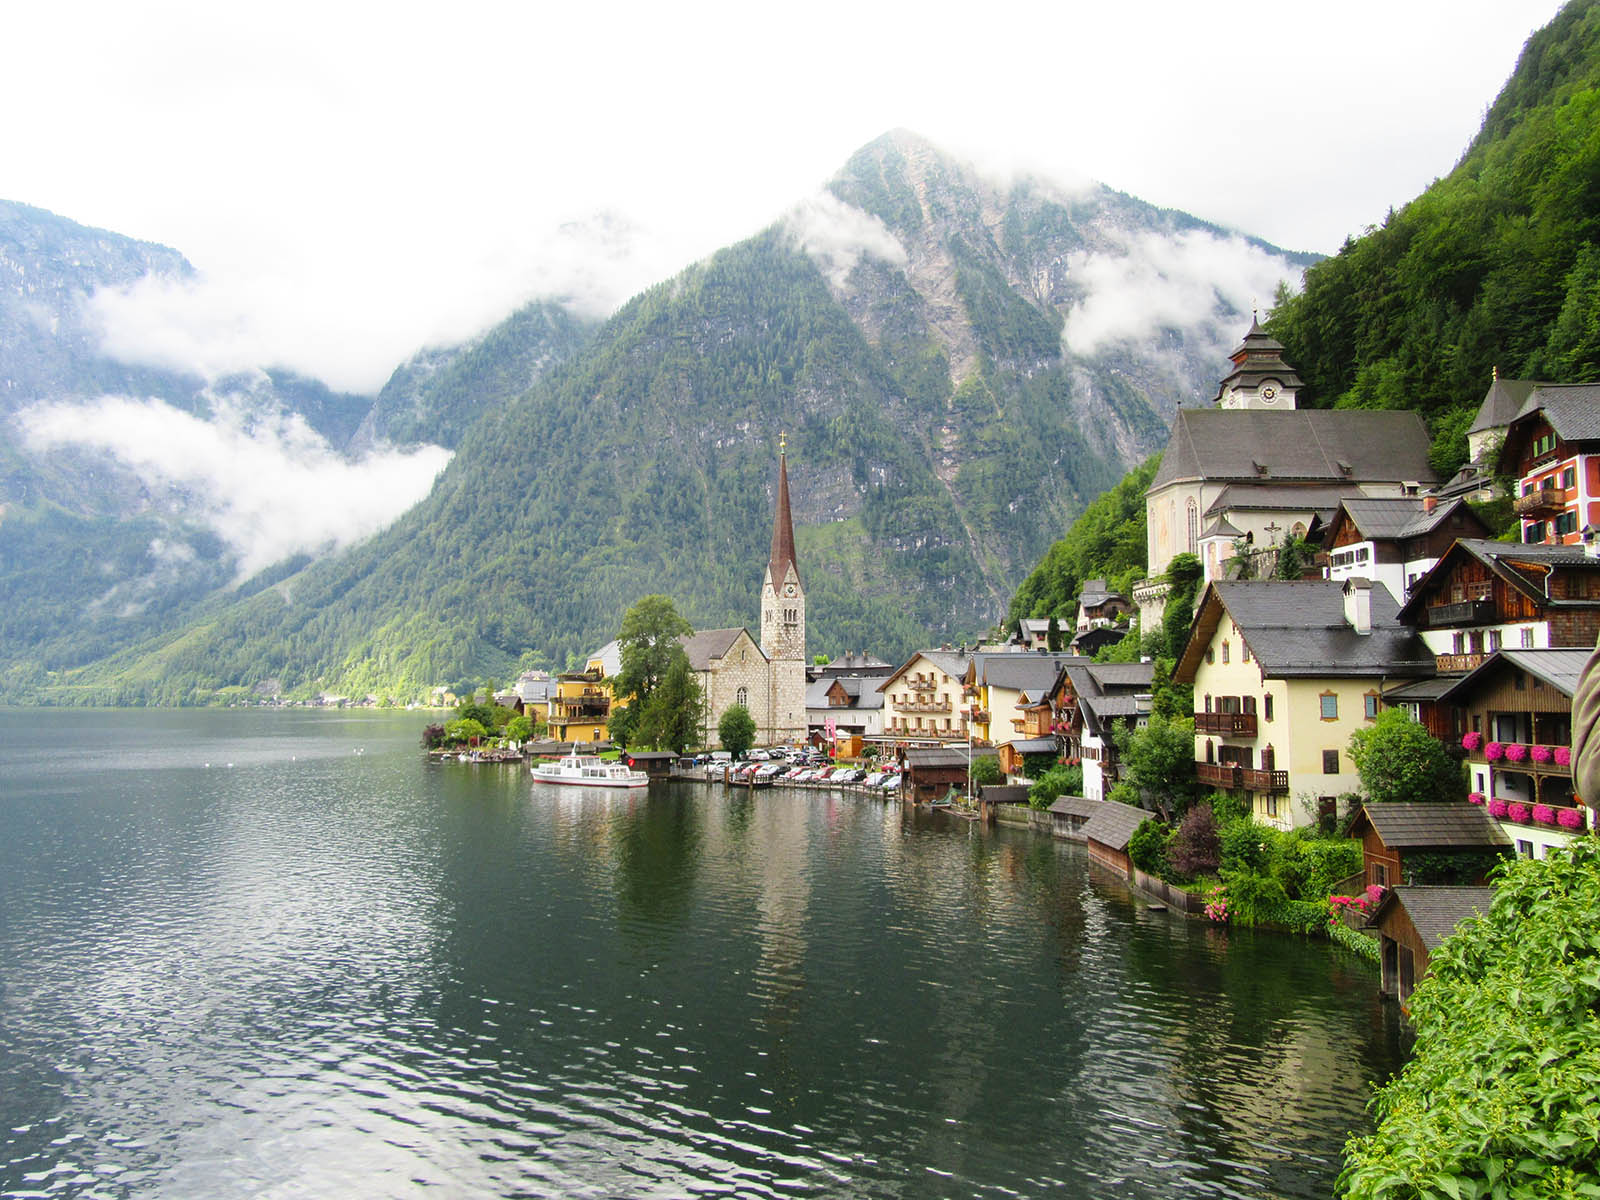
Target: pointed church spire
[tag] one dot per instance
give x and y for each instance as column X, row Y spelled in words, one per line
column 782, row 558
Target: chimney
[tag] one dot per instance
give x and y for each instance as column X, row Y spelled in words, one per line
column 1429, row 503
column 1358, row 604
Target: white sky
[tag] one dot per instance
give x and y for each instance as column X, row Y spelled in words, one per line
column 355, row 181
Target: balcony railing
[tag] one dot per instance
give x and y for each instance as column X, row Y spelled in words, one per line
column 1526, row 762
column 921, row 685
column 922, row 706
column 1457, row 664
column 1229, row 724
column 1230, row 776
column 1541, row 500
column 1463, row 612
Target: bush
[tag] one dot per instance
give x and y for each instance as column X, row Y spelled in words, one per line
column 1228, row 807
column 1147, row 848
column 1325, row 861
column 1499, row 1096
column 432, row 737
column 1247, row 848
column 986, row 771
column 1056, row 782
column 1196, row 848
column 1125, row 793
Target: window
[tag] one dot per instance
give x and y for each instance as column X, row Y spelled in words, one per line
column 1266, row 706
column 1194, row 525
column 1519, row 681
column 742, row 697
column 1567, row 522
column 1380, row 874
column 1369, row 706
column 1211, row 655
column 1330, row 706
column 1491, row 641
column 1224, row 649
column 1569, row 477
column 1458, row 642
column 1272, row 805
column 1330, row 762
column 1244, row 652
column 1527, row 637
column 1524, row 849
column 1533, row 532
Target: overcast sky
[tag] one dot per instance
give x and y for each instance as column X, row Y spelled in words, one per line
column 355, row 181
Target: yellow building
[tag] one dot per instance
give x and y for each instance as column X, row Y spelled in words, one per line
column 1283, row 674
column 580, row 701
column 998, row 689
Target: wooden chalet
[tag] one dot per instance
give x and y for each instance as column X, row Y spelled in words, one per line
column 1394, row 540
column 932, row 771
column 1109, row 830
column 1410, row 923
column 1552, row 448
column 1391, row 832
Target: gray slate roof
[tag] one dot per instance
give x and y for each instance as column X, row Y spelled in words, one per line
column 1573, row 409
column 1076, row 806
column 1560, row 668
column 1298, row 628
column 1502, row 558
column 1411, row 825
column 1038, row 745
column 1112, row 824
column 710, row 644
column 1281, row 497
column 1301, row 445
column 936, row 756
column 1023, row 672
column 1004, row 793
column 1398, row 517
column 1435, row 912
column 1502, row 403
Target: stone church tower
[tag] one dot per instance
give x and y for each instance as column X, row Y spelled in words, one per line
column 783, row 620
column 1260, row 377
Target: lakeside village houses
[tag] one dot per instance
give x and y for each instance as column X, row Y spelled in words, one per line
column 1411, row 605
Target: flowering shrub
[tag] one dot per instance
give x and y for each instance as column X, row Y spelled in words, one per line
column 1543, row 814
column 1217, row 903
column 1474, row 797
column 1516, row 752
column 1471, row 740
column 1540, row 754
column 1494, row 751
column 1569, row 818
column 1518, row 814
column 1563, row 756
column 1497, row 807
column 1375, row 893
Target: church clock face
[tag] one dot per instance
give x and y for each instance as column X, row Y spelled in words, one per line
column 788, row 589
column 1269, row 394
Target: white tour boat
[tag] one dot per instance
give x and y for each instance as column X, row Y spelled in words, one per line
column 586, row 770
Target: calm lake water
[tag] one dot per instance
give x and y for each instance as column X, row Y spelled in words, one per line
column 277, row 954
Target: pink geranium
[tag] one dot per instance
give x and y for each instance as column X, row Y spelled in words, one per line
column 1516, row 752
column 1375, row 892
column 1474, row 797
column 1563, row 756
column 1518, row 813
column 1493, row 751
column 1569, row 818
column 1543, row 814
column 1471, row 740
column 1540, row 754
column 1497, row 807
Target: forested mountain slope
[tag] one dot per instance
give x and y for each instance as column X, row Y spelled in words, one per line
column 908, row 329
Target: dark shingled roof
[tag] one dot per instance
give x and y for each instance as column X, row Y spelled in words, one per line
column 1411, row 825
column 936, row 756
column 1421, row 689
column 1298, row 628
column 1573, row 409
column 1400, row 517
column 1023, row 672
column 1285, row 497
column 1076, row 806
column 710, row 644
column 1435, row 912
column 1112, row 824
column 1521, row 564
column 1038, row 745
column 1004, row 793
column 1302, row 445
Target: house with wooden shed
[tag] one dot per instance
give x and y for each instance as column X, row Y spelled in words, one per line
column 1099, row 606
column 1069, row 814
column 931, row 771
column 1483, row 596
column 1412, row 842
column 1283, row 674
column 1411, row 922
column 1108, row 831
column 1089, row 700
column 1517, row 711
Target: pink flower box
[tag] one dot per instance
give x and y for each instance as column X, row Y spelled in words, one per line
column 1471, row 740
column 1497, row 807
column 1516, row 752
column 1474, row 797
column 1563, row 756
column 1569, row 818
column 1518, row 814
column 1540, row 754
column 1494, row 751
column 1543, row 814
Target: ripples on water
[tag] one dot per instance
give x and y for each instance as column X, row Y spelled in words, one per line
column 318, row 972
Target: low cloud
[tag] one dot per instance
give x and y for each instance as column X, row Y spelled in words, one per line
column 270, row 487
column 838, row 235
column 1159, row 281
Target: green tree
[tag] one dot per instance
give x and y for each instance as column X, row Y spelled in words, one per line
column 986, row 771
column 1052, row 635
column 519, row 728
column 1399, row 760
column 736, row 730
column 463, row 729
column 671, row 717
column 1058, row 781
column 1498, row 1098
column 1160, row 761
column 650, row 646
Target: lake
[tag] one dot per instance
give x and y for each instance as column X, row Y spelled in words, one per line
column 275, row 953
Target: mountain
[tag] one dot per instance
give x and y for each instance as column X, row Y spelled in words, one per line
column 1495, row 265
column 915, row 329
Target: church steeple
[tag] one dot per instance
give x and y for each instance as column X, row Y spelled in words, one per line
column 782, row 561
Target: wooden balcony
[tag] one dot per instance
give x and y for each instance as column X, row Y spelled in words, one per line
column 1463, row 612
column 1457, row 664
column 1228, row 775
column 1542, row 502
column 921, row 685
column 1227, row 724
column 922, row 706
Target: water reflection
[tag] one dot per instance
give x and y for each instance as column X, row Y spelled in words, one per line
column 328, row 973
